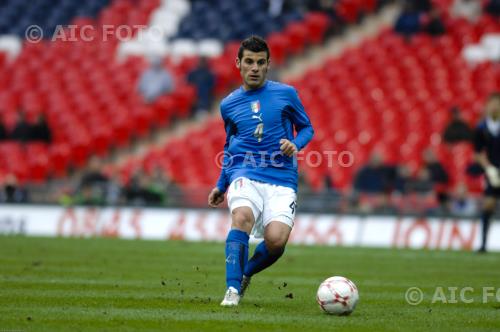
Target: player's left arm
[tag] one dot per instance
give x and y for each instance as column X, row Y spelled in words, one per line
column 301, row 122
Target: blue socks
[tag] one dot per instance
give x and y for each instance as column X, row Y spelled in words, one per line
column 236, row 257
column 261, row 259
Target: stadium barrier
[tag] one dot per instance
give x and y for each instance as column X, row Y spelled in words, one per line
column 212, row 225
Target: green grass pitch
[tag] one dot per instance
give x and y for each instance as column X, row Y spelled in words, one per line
column 56, row 284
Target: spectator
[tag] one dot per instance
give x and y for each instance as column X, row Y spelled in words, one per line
column 114, row 190
column 22, row 129
column 204, row 80
column 40, row 131
column 12, row 192
column 493, row 8
column 435, row 26
column 325, row 6
column 141, row 190
column 462, row 204
column 402, row 179
column 457, row 129
column 438, row 176
column 328, row 183
column 155, row 81
column 93, row 184
column 437, row 172
column 468, row 9
column 408, row 22
column 422, row 184
column 423, row 6
column 372, row 178
column 3, row 130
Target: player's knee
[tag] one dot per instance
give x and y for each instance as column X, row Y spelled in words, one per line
column 242, row 218
column 275, row 244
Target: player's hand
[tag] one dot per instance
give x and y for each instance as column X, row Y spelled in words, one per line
column 493, row 176
column 287, row 147
column 215, row 197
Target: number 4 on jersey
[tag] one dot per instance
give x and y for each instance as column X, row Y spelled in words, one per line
column 259, row 132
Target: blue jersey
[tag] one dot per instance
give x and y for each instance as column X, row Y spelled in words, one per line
column 255, row 122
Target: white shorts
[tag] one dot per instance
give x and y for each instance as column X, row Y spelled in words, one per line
column 268, row 202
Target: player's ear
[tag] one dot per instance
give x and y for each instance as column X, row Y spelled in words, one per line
column 238, row 63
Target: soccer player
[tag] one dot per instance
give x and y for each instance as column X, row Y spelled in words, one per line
column 487, row 154
column 260, row 170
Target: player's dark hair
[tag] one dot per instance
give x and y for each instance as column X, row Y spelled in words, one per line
column 254, row 44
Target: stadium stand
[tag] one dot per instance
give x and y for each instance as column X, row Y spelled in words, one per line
column 378, row 96
column 89, row 97
column 386, row 95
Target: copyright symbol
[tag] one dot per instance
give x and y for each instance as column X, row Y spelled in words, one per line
column 414, row 296
column 33, row 34
column 220, row 157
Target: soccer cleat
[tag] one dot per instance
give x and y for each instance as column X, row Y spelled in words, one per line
column 231, row 299
column 245, row 282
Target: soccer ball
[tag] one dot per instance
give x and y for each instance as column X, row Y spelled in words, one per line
column 337, row 296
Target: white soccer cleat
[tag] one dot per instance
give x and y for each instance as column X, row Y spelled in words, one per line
column 245, row 282
column 231, row 299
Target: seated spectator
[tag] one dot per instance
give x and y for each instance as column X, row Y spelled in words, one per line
column 372, row 178
column 114, row 190
column 493, row 8
column 469, row 9
column 462, row 204
column 402, row 179
column 438, row 176
column 3, row 130
column 437, row 172
column 408, row 22
column 422, row 183
column 93, row 184
column 141, row 190
column 12, row 192
column 204, row 81
column 435, row 25
column 325, row 6
column 155, row 81
column 457, row 130
column 22, row 129
column 423, row 6
column 40, row 131
column 421, row 193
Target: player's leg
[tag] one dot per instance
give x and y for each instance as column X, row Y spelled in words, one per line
column 488, row 209
column 242, row 220
column 237, row 245
column 243, row 214
column 271, row 249
column 278, row 215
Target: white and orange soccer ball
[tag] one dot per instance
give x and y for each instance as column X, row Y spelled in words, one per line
column 337, row 296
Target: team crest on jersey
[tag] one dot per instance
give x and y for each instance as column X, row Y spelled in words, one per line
column 255, row 105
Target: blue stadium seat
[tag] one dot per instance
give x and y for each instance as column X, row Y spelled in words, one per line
column 17, row 15
column 229, row 20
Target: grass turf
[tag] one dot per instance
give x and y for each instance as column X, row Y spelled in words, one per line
column 49, row 284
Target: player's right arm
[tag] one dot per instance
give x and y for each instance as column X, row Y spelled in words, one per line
column 216, row 196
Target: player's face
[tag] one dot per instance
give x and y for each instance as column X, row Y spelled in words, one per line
column 253, row 68
column 493, row 109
